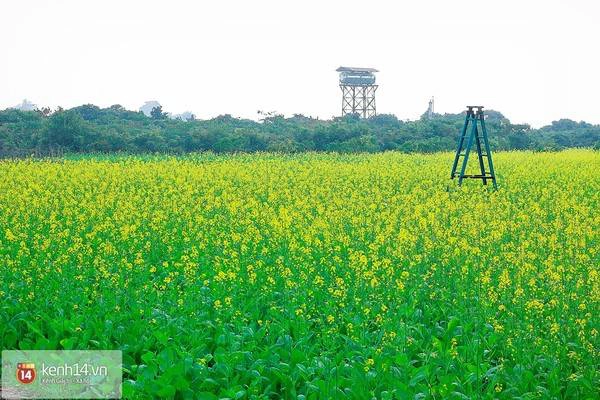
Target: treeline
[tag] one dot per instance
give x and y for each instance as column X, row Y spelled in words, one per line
column 88, row 129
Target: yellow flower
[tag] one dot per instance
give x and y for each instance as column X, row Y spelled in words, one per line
column 573, row 377
column 453, row 345
column 498, row 327
column 10, row 236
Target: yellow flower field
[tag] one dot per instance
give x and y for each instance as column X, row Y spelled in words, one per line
column 310, row 276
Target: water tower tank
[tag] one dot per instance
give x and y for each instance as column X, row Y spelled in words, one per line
column 357, row 76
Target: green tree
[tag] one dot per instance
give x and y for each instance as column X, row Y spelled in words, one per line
column 65, row 131
column 158, row 113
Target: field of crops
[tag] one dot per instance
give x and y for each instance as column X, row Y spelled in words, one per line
column 310, row 276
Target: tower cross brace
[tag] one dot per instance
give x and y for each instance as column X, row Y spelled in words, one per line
column 359, row 99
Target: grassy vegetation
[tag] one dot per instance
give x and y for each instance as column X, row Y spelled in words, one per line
column 310, row 276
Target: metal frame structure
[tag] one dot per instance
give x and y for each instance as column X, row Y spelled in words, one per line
column 474, row 117
column 359, row 100
column 358, row 91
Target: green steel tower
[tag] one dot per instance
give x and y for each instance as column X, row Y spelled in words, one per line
column 475, row 118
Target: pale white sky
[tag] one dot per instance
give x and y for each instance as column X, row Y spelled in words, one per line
column 535, row 61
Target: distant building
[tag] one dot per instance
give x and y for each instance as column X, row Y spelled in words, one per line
column 185, row 116
column 148, row 106
column 430, row 109
column 26, row 105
